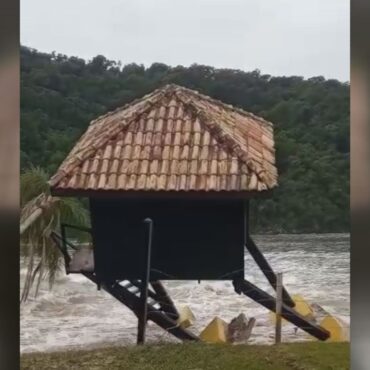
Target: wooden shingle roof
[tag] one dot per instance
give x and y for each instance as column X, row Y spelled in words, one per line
column 174, row 139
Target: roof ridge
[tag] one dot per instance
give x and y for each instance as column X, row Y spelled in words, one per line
column 224, row 138
column 127, row 105
column 222, row 104
column 175, row 87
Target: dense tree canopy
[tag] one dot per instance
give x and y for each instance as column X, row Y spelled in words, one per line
column 60, row 95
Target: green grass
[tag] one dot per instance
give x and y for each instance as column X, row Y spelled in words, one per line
column 195, row 356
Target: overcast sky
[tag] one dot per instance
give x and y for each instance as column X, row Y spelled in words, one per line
column 279, row 37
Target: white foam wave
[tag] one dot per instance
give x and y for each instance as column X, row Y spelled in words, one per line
column 75, row 315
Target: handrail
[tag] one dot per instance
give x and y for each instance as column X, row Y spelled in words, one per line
column 61, row 245
column 70, row 244
column 80, row 228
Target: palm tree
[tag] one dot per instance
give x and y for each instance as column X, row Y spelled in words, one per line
column 41, row 214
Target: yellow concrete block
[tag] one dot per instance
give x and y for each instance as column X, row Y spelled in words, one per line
column 215, row 331
column 186, row 317
column 301, row 306
column 273, row 318
column 336, row 328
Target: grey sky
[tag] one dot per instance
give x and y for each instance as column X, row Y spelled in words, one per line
column 279, row 37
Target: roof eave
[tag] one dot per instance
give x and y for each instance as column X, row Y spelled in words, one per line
column 119, row 194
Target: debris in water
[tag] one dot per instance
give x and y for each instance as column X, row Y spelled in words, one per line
column 240, row 328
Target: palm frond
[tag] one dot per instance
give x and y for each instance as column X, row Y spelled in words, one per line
column 33, row 183
column 71, row 211
column 41, row 257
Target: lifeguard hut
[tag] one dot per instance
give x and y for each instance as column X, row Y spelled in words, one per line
column 169, row 177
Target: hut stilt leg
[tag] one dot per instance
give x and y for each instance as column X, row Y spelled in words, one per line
column 165, row 300
column 288, row 313
column 266, row 269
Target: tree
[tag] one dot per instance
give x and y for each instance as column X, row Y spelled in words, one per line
column 41, row 214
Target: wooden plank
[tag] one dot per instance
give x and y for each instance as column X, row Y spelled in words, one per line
column 143, row 314
column 279, row 301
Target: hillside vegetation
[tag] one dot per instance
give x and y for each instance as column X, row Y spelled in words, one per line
column 60, row 95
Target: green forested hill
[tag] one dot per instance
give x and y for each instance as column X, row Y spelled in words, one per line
column 60, row 95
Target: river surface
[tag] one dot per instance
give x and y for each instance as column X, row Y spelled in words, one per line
column 75, row 315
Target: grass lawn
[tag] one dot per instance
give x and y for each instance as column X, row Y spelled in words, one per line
column 197, row 356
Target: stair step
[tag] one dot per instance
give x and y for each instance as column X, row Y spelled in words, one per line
column 153, row 303
column 132, row 288
column 125, row 284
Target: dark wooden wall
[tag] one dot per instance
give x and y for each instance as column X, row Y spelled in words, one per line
column 192, row 239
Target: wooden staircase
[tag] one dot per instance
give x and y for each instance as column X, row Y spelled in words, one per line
column 161, row 309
